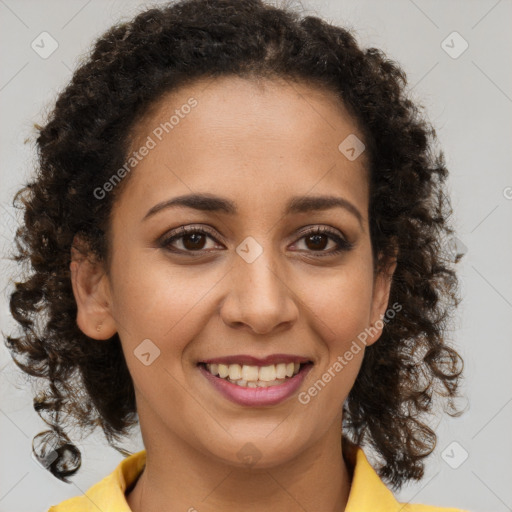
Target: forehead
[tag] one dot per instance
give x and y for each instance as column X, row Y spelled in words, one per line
column 235, row 104
column 248, row 137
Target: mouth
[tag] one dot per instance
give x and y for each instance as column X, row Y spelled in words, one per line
column 256, row 382
column 253, row 376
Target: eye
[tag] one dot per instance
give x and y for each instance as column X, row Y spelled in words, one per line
column 193, row 239
column 315, row 240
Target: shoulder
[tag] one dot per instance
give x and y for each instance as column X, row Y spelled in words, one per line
column 369, row 493
column 411, row 507
column 109, row 493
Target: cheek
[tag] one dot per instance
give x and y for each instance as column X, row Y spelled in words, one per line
column 340, row 304
column 340, row 314
column 164, row 303
column 339, row 317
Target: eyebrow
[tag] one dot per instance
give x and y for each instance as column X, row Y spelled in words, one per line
column 297, row 204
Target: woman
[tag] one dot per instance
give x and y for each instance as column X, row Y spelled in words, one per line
column 237, row 238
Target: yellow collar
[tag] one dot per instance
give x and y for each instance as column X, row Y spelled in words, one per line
column 367, row 492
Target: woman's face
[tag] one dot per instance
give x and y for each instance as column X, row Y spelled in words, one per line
column 259, row 284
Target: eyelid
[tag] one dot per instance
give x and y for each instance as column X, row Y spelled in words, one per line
column 333, row 234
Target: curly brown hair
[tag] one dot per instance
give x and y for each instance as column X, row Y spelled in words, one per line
column 86, row 138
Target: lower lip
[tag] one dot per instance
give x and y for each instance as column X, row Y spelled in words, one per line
column 271, row 395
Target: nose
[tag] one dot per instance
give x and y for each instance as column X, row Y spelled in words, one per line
column 261, row 298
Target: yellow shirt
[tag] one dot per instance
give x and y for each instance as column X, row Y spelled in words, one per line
column 367, row 492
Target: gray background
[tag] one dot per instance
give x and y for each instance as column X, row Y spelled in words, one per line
column 469, row 101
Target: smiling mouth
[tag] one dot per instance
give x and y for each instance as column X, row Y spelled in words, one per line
column 251, row 376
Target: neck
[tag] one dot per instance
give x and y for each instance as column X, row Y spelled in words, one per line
column 177, row 477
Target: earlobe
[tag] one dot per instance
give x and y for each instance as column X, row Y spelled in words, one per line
column 92, row 295
column 380, row 300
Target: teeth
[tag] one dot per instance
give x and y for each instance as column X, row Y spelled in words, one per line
column 223, row 370
column 250, row 372
column 268, row 373
column 235, row 372
column 280, row 371
column 257, row 383
column 255, row 376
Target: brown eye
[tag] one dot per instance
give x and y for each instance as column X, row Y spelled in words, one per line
column 316, row 240
column 192, row 239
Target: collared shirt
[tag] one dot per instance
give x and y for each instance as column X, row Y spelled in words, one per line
column 367, row 491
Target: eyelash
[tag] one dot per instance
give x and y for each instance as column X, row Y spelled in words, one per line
column 165, row 242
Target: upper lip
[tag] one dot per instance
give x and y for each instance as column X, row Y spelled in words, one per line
column 244, row 359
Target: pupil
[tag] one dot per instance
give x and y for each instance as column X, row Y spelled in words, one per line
column 317, row 240
column 196, row 239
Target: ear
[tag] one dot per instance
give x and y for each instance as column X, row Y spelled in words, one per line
column 92, row 292
column 380, row 299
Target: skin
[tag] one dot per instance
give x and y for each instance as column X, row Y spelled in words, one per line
column 257, row 144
